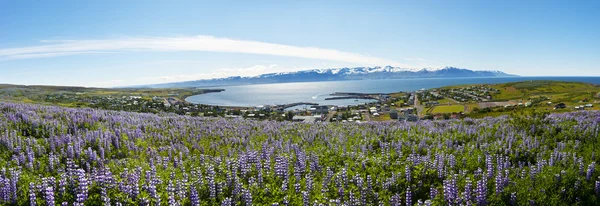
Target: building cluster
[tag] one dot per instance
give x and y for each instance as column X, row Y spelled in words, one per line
column 136, row 103
column 429, row 98
column 472, row 93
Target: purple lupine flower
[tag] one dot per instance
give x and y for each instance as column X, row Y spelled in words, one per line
column 181, row 188
column 227, row 202
column 281, row 167
column 15, row 174
column 62, row 184
column 305, row 198
column 49, row 195
column 326, row 180
column 286, row 201
column 309, row 182
column 194, row 199
column 590, row 171
column 499, row 183
column 513, row 198
column 351, row 199
column 451, row 190
column 481, row 192
column 171, row 193
column 432, row 192
column 210, row 177
column 152, row 182
column 489, row 166
column 468, row 193
column 82, row 186
column 297, row 187
column 32, row 197
column 395, row 200
column 408, row 174
column 408, row 197
column 247, row 197
column 4, row 188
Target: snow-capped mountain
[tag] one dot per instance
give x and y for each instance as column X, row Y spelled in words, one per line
column 340, row 74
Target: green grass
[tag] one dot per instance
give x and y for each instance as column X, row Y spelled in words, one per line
column 564, row 91
column 381, row 117
column 445, row 101
column 399, row 103
column 448, row 109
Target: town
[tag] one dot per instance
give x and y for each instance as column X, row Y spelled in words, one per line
column 439, row 103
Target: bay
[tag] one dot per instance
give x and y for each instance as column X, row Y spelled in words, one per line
column 316, row 92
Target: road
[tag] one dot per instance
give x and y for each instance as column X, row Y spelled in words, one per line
column 330, row 115
column 418, row 107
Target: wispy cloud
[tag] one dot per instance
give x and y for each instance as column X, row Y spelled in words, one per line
column 186, row 43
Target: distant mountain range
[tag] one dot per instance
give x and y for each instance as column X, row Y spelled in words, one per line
column 338, row 74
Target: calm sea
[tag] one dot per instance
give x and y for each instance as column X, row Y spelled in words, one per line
column 316, row 92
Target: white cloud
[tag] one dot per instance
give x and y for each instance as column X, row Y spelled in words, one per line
column 187, row 43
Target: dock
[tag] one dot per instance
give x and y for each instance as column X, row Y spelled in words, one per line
column 285, row 106
column 351, row 97
column 355, row 94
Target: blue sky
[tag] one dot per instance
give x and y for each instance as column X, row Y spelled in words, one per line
column 116, row 43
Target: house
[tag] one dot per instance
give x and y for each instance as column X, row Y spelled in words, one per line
column 409, row 110
column 319, row 109
column 373, row 110
column 411, row 99
column 394, row 114
column 265, row 108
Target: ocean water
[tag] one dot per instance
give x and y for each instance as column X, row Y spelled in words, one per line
column 316, row 92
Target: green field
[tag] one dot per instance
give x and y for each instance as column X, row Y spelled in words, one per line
column 448, row 109
column 445, row 101
column 560, row 91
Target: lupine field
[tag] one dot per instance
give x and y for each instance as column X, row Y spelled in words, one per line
column 64, row 156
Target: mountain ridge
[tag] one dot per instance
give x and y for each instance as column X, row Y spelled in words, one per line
column 339, row 74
